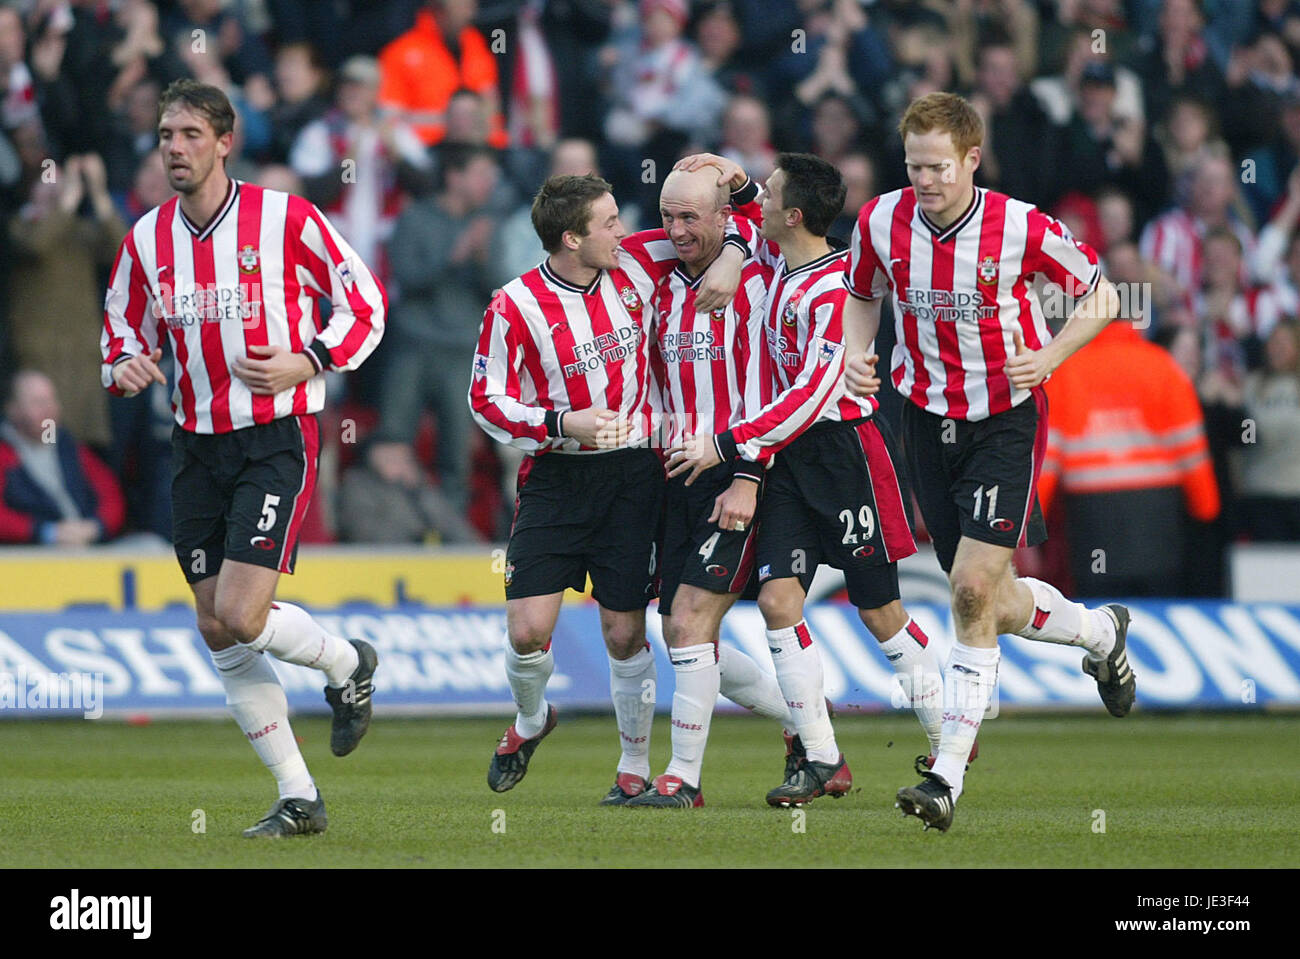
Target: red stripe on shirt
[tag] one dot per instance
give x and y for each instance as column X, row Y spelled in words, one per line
column 248, row 233
column 991, row 342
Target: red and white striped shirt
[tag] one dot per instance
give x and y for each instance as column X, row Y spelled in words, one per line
column 959, row 292
column 549, row 346
column 1174, row 240
column 253, row 276
column 710, row 368
column 804, row 332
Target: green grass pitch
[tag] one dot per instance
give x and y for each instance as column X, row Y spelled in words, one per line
column 1189, row 790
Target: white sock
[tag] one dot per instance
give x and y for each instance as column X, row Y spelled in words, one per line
column 528, row 675
column 918, row 672
column 748, row 684
column 698, row 677
column 799, row 672
column 1057, row 620
column 629, row 689
column 969, row 681
column 256, row 700
column 292, row 636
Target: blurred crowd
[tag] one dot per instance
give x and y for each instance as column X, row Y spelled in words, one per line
column 1165, row 133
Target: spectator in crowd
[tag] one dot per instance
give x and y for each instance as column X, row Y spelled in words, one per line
column 422, row 68
column 223, row 31
column 1270, row 459
column 1015, row 19
column 301, row 85
column 721, row 43
column 534, row 101
column 1173, row 240
column 1265, row 170
column 133, row 135
column 1076, row 17
column 1021, row 146
column 1225, row 307
column 661, row 98
column 1131, row 465
column 1177, row 60
column 18, row 105
column 1188, row 133
column 746, row 137
column 859, row 172
column 141, row 54
column 1116, row 218
column 1260, row 78
column 53, row 489
column 1104, row 146
column 439, row 254
column 54, row 288
column 1058, row 93
column 358, row 165
column 837, row 126
column 1282, row 297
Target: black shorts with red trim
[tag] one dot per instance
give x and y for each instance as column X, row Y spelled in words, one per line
column 696, row 551
column 978, row 479
column 591, row 514
column 834, row 496
column 242, row 495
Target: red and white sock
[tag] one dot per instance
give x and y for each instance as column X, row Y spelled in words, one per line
column 798, row 667
column 748, row 684
column 528, row 674
column 632, row 687
column 292, row 636
column 908, row 651
column 257, row 701
column 695, row 669
column 969, row 681
column 1056, row 619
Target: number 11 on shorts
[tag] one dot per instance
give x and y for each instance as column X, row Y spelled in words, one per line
column 993, row 502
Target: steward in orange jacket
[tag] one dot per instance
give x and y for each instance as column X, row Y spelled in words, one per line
column 1126, row 450
column 419, row 73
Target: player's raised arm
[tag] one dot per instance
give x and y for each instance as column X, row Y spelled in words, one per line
column 360, row 301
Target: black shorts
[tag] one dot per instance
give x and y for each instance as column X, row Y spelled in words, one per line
column 242, row 495
column 696, row 551
column 978, row 479
column 594, row 514
column 835, row 497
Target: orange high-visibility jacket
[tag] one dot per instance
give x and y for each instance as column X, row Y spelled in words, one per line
column 418, row 75
column 1123, row 415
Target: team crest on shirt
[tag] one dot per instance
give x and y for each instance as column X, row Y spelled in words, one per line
column 790, row 315
column 631, row 299
column 717, row 316
column 988, row 270
column 249, row 260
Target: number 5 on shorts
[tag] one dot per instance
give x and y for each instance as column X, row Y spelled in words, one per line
column 268, row 512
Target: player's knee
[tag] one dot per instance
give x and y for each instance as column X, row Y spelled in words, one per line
column 241, row 621
column 884, row 621
column 624, row 640
column 780, row 605
column 214, row 633
column 526, row 638
column 971, row 596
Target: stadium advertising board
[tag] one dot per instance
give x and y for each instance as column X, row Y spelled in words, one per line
column 1186, row 654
